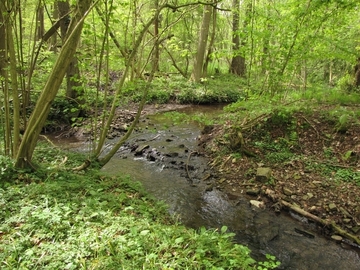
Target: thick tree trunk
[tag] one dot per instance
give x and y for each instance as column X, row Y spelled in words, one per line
column 211, row 44
column 197, row 72
column 42, row 108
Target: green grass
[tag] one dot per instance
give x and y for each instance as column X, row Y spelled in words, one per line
column 56, row 219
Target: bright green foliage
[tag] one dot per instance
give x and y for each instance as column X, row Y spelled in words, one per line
column 56, row 219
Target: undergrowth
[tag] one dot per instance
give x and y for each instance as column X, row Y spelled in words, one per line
column 56, row 219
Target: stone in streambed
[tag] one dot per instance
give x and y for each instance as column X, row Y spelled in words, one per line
column 140, row 149
column 263, row 174
column 253, row 192
column 257, row 204
column 287, row 192
column 337, row 238
column 332, row 207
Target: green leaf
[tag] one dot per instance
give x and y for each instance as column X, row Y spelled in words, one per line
column 224, row 229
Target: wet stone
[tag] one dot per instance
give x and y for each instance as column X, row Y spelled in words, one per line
column 337, row 238
column 287, row 191
column 139, row 151
column 263, row 174
column 332, row 206
column 355, row 229
column 257, row 204
column 346, row 220
column 253, row 192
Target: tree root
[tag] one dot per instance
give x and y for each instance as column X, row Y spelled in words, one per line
column 83, row 166
column 331, row 224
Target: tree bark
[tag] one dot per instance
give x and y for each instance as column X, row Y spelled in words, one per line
column 2, row 44
column 211, row 43
column 156, row 53
column 73, row 85
column 197, row 72
column 238, row 60
column 357, row 74
column 40, row 28
column 42, row 108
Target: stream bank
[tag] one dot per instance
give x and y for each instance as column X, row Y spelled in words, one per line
column 164, row 157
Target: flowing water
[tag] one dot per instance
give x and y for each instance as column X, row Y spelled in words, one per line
column 170, row 169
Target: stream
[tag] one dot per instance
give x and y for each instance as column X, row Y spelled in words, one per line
column 162, row 155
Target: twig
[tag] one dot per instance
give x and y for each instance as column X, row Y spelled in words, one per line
column 157, row 136
column 311, row 125
column 48, row 140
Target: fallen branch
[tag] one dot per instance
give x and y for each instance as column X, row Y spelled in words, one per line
column 336, row 228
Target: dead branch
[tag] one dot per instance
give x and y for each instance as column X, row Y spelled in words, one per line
column 311, row 125
column 324, row 222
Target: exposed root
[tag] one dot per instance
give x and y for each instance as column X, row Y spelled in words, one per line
column 83, row 166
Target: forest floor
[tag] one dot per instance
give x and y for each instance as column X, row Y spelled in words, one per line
column 314, row 162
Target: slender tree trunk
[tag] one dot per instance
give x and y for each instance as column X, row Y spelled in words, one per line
column 40, row 28
column 156, row 54
column 15, row 93
column 238, row 60
column 53, row 42
column 2, row 44
column 357, row 73
column 73, row 85
column 42, row 108
column 197, row 72
column 4, row 80
column 8, row 55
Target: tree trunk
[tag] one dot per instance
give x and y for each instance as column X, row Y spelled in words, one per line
column 53, row 42
column 73, row 85
column 15, row 93
column 211, row 43
column 357, row 74
column 2, row 44
column 197, row 72
column 42, row 108
column 40, row 28
column 238, row 60
column 156, row 54
column 9, row 77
